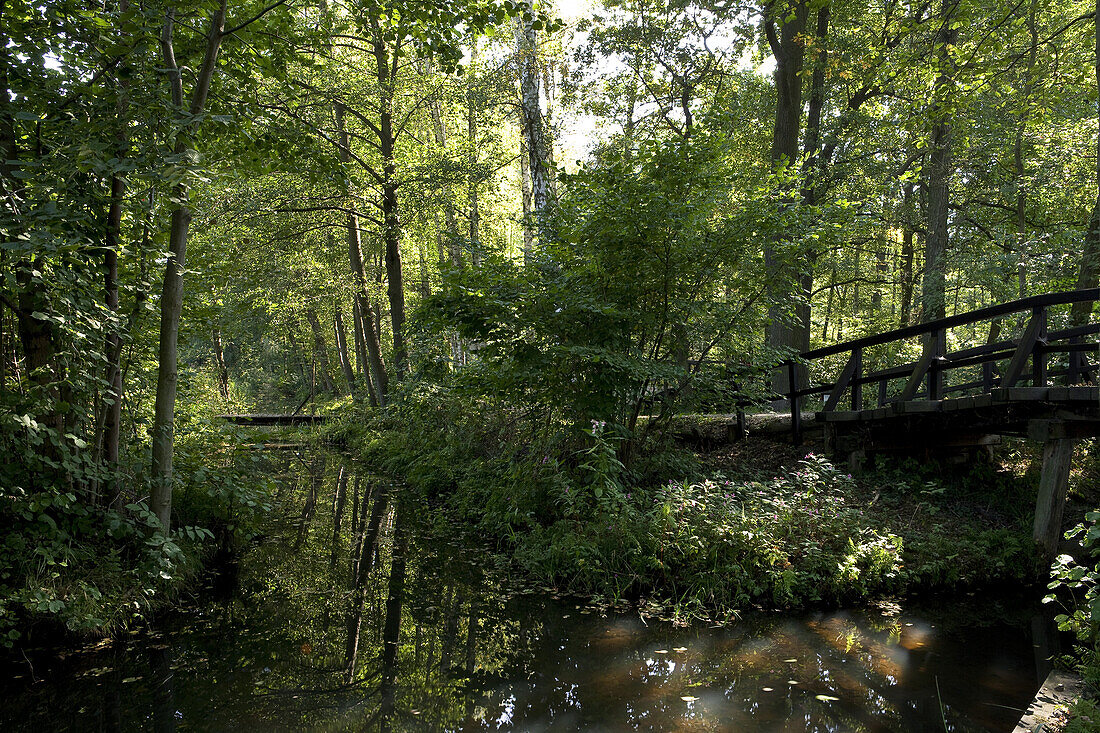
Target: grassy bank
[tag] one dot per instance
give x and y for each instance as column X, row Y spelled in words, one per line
column 759, row 524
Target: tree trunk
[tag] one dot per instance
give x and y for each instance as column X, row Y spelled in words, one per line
column 450, row 235
column 320, row 348
column 936, row 240
column 473, row 176
column 1088, row 275
column 813, row 175
column 364, row 562
column 525, row 187
column 386, row 69
column 219, row 362
column 784, row 333
column 527, row 52
column 342, row 349
column 907, row 253
column 361, row 358
column 1018, row 152
column 391, row 633
column 367, row 330
column 171, row 304
column 299, row 352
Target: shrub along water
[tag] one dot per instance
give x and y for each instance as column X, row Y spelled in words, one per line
column 667, row 527
column 70, row 562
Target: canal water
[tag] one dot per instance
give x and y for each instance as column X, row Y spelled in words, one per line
column 360, row 612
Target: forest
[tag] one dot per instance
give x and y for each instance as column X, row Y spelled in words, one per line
column 501, row 249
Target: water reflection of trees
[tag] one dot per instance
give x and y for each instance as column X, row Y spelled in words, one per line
column 411, row 599
column 362, row 613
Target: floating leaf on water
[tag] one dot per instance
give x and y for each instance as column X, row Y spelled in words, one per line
column 826, row 698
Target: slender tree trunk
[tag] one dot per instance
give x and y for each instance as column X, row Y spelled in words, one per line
column 813, row 173
column 449, row 238
column 338, row 501
column 907, row 252
column 112, row 415
column 364, row 563
column 391, row 632
column 386, row 69
column 1018, row 152
column 361, row 358
column 171, row 304
column 425, row 277
column 320, row 348
column 472, row 148
column 379, row 382
column 299, row 352
column 829, row 306
column 880, row 272
column 342, row 348
column 219, row 361
column 525, row 187
column 550, row 92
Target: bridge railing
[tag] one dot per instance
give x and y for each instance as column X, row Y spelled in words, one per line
column 1028, row 358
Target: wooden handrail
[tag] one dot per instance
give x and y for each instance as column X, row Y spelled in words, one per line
column 960, row 319
column 1034, row 346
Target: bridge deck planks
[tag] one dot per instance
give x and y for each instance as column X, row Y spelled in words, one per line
column 272, row 419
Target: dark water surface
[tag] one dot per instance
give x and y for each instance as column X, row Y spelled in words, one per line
column 357, row 614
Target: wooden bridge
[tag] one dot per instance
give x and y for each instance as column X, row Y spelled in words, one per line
column 926, row 390
column 272, row 419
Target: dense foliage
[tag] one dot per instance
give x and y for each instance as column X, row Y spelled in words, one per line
column 382, row 212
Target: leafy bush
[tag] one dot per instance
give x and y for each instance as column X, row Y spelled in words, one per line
column 72, row 560
column 792, row 541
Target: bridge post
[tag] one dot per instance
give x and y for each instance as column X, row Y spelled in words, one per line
column 1074, row 373
column 796, row 408
column 1038, row 353
column 938, row 342
column 1053, row 482
column 857, row 374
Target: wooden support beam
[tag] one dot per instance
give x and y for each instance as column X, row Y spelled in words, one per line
column 920, row 368
column 851, row 369
column 1057, row 459
column 1045, row 431
column 1036, row 330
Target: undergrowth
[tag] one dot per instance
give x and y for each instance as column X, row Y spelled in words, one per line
column 72, row 563
column 572, row 514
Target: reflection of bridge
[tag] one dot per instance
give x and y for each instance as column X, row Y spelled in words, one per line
column 1041, row 385
column 274, row 419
